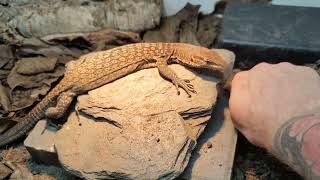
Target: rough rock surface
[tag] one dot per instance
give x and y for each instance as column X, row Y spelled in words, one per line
column 136, row 127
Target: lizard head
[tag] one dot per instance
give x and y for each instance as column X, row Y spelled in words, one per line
column 217, row 60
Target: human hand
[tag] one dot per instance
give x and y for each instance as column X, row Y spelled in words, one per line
column 265, row 103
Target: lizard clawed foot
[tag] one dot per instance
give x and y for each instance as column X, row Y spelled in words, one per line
column 185, row 85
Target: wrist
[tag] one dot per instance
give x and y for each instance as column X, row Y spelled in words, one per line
column 297, row 143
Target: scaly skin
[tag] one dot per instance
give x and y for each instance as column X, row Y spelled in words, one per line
column 99, row 68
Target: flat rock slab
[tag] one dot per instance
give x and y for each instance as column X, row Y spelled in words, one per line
column 40, row 144
column 213, row 157
column 136, row 127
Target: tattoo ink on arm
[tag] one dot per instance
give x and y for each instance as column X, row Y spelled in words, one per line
column 297, row 142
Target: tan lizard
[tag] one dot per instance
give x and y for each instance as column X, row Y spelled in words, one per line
column 99, row 68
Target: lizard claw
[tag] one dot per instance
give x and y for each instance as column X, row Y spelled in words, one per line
column 190, row 86
column 185, row 85
column 187, row 80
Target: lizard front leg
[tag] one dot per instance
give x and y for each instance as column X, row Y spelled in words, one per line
column 63, row 102
column 169, row 74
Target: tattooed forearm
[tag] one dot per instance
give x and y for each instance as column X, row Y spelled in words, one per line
column 297, row 143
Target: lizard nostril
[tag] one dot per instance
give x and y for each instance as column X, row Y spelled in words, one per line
column 210, row 62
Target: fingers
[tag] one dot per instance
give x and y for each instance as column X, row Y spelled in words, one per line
column 239, row 101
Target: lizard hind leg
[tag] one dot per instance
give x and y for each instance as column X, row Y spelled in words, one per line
column 63, row 102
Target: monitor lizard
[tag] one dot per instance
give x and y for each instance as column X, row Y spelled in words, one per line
column 95, row 69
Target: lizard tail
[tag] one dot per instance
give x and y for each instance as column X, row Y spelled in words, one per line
column 28, row 122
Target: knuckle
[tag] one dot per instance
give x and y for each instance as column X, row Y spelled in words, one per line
column 239, row 75
column 262, row 65
column 285, row 64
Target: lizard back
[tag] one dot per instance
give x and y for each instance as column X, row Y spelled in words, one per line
column 98, row 68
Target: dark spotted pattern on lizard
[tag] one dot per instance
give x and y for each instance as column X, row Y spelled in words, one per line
column 99, row 68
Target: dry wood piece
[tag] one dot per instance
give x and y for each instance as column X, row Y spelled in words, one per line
column 6, row 56
column 72, row 45
column 33, row 18
column 94, row 41
column 25, row 89
column 16, row 155
column 20, row 172
column 188, row 26
column 4, row 171
column 5, row 98
column 170, row 26
column 208, row 29
column 31, row 66
column 68, row 29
